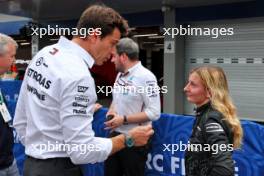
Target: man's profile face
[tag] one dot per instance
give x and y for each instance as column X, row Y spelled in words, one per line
column 7, row 58
column 117, row 60
column 106, row 47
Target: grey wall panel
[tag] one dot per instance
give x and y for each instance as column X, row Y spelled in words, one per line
column 242, row 58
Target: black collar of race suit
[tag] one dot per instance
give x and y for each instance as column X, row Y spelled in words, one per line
column 200, row 110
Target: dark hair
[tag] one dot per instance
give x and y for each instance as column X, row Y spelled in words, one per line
column 106, row 18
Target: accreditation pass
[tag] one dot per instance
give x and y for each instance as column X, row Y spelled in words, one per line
column 3, row 109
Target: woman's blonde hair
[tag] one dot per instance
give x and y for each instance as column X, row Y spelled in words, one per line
column 214, row 80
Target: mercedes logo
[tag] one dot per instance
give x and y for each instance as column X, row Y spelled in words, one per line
column 39, row 61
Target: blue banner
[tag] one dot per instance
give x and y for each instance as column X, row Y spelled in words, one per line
column 166, row 157
column 171, row 133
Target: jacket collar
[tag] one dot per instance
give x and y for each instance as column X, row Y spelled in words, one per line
column 200, row 110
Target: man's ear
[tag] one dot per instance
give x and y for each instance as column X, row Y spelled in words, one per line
column 121, row 57
column 92, row 38
column 124, row 57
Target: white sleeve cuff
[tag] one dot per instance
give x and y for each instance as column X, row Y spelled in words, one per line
column 98, row 154
column 105, row 145
column 152, row 115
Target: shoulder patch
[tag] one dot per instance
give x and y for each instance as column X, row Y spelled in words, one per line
column 213, row 127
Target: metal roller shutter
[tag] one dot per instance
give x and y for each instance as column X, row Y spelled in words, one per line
column 240, row 55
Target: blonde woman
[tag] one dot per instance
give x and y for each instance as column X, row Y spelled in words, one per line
column 217, row 130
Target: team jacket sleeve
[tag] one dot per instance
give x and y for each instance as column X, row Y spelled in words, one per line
column 20, row 119
column 76, row 115
column 222, row 162
column 151, row 98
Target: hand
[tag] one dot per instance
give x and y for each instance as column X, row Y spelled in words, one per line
column 97, row 106
column 115, row 122
column 141, row 134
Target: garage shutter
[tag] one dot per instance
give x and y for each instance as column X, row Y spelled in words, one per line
column 240, row 55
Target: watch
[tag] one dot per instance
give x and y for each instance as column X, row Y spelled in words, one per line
column 125, row 120
column 129, row 141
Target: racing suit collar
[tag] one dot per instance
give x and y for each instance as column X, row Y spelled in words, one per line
column 200, row 110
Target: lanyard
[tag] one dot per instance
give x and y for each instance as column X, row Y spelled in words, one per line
column 4, row 111
column 1, row 98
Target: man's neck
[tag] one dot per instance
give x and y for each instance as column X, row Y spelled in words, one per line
column 130, row 65
column 84, row 44
column 81, row 43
